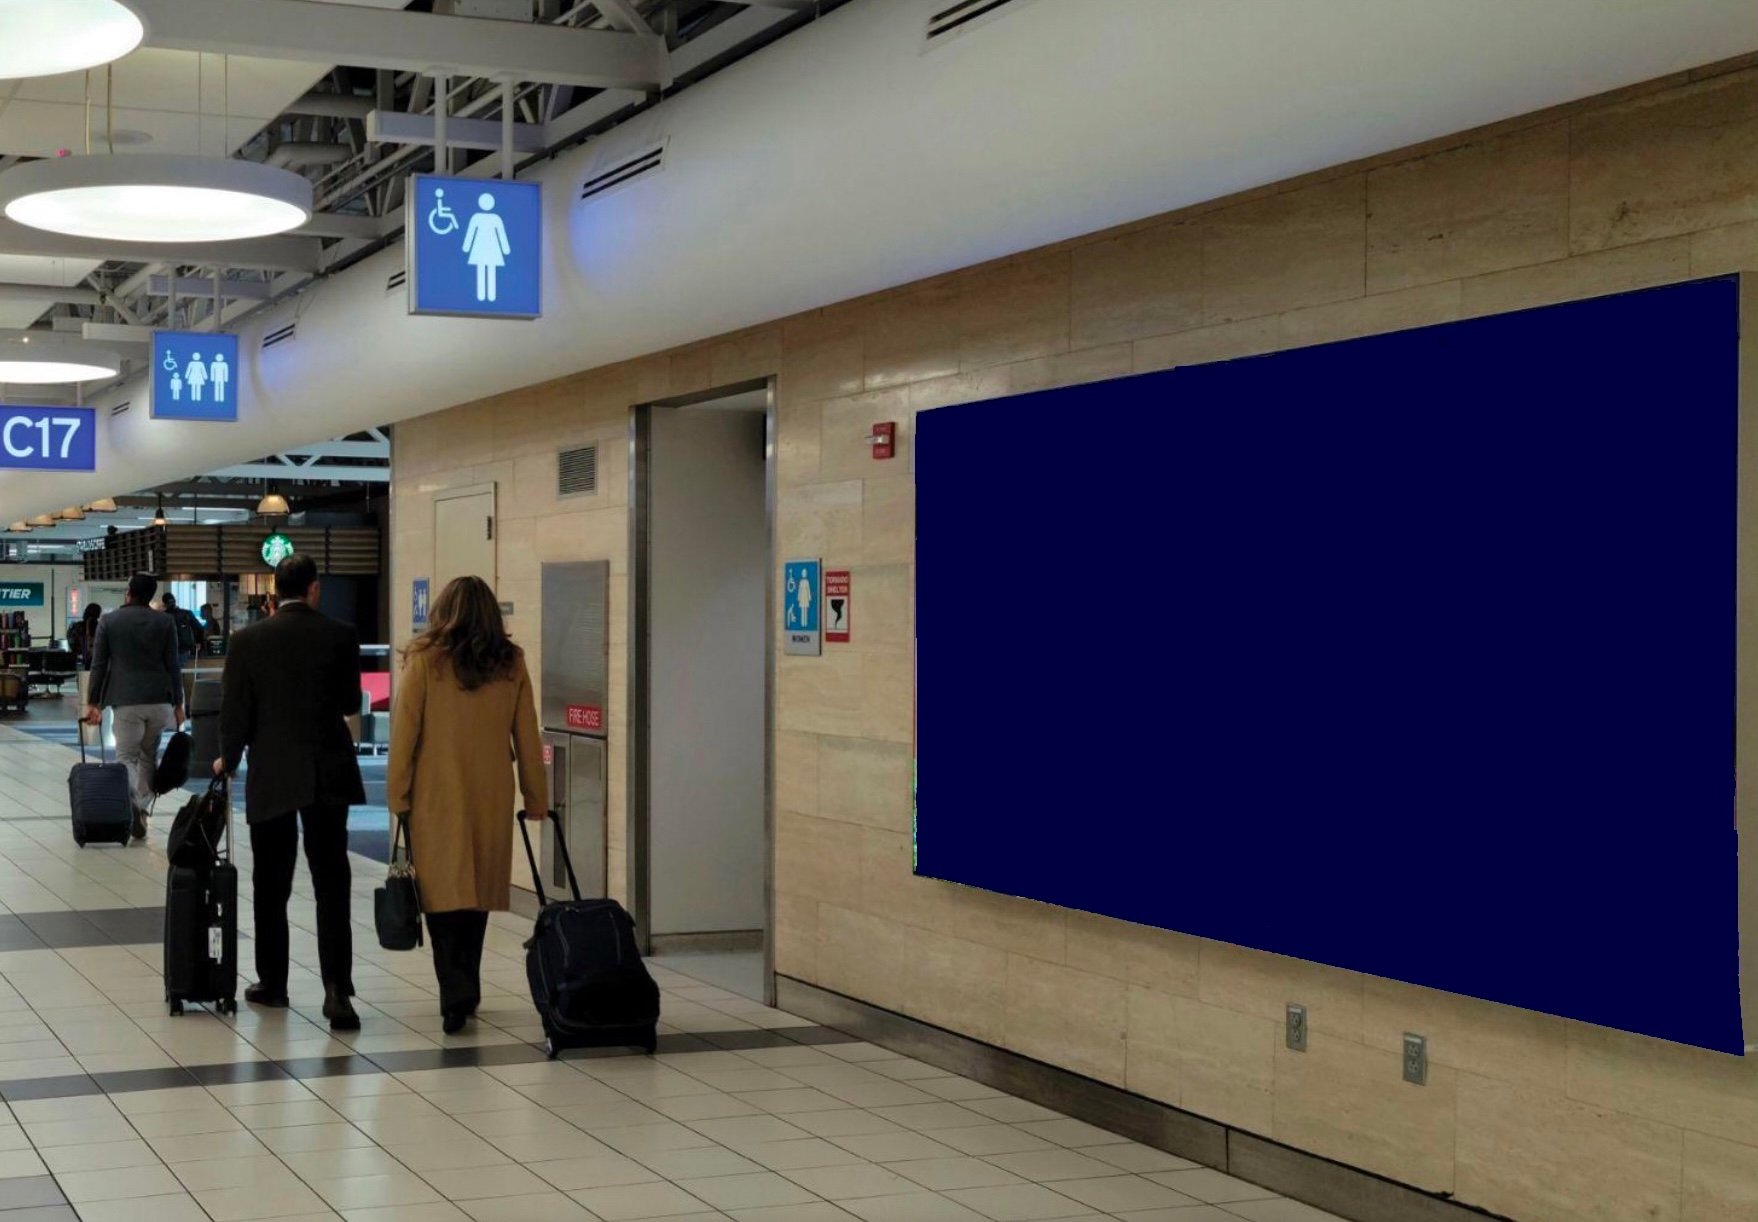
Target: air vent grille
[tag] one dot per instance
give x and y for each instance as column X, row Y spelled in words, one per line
column 121, row 407
column 623, row 172
column 279, row 335
column 957, row 18
column 396, row 281
column 577, row 471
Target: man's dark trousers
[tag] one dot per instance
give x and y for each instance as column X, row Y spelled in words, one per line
column 274, row 844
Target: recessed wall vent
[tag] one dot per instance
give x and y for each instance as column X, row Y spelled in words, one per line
column 577, row 471
column 396, row 281
column 279, row 335
column 121, row 407
column 624, row 172
column 965, row 16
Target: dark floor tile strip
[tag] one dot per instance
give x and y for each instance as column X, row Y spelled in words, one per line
column 740, row 1041
column 65, row 1086
column 817, row 1035
column 474, row 1057
column 42, row 1213
column 123, row 1081
column 305, row 1068
column 30, row 1191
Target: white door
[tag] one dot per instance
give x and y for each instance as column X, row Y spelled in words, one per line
column 463, row 536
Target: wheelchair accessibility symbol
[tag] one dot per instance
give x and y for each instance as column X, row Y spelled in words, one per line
column 442, row 220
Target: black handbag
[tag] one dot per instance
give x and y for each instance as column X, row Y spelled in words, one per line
column 196, row 832
column 396, row 906
column 173, row 769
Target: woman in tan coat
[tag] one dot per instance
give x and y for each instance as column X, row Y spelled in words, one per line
column 465, row 717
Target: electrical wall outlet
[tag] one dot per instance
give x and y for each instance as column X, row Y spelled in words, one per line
column 1415, row 1059
column 1296, row 1027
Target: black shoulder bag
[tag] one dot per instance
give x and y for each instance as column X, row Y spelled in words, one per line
column 396, row 906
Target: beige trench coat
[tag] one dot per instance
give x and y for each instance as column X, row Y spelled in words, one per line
column 453, row 756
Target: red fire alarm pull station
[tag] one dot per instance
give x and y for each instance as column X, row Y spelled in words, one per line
column 883, row 439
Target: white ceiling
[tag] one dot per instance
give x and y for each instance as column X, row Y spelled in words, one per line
column 847, row 158
column 165, row 102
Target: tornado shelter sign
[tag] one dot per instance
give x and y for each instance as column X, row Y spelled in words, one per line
column 475, row 247
column 802, row 597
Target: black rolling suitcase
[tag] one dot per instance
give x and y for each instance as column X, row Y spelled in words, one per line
column 587, row 979
column 100, row 797
column 201, row 906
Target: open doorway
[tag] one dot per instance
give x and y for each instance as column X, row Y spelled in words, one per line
column 701, row 548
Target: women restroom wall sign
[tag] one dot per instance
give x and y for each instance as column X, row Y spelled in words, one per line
column 838, row 603
column 802, row 602
column 475, row 247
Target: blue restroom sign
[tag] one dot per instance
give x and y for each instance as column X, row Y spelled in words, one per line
column 475, row 247
column 418, row 607
column 195, row 375
column 21, row 594
column 802, row 596
column 48, row 438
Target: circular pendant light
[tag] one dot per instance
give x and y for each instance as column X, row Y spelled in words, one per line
column 49, row 37
column 104, row 504
column 42, row 521
column 46, row 361
column 155, row 197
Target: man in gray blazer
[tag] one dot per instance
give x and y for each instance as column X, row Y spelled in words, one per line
column 136, row 671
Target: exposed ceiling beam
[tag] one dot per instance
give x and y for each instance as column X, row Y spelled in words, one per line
column 277, row 473
column 47, row 294
column 196, row 286
column 293, row 254
column 342, row 225
column 407, row 42
column 623, row 15
column 395, row 127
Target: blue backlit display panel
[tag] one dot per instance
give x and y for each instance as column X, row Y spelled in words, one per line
column 1412, row 655
column 475, row 247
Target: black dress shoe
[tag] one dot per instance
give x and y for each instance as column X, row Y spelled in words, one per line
column 453, row 1020
column 139, row 828
column 257, row 995
column 340, row 1011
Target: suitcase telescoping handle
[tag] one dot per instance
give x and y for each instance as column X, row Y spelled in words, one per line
column 531, row 856
column 79, row 725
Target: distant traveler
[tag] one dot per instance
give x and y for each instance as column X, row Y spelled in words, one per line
column 135, row 671
column 190, row 633
column 465, row 716
column 82, row 638
column 289, row 683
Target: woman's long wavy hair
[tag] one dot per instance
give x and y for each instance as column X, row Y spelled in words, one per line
column 465, row 630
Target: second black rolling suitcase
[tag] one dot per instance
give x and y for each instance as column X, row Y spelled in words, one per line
column 100, row 796
column 587, row 979
column 201, row 913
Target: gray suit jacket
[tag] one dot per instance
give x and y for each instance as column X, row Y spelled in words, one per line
column 135, row 659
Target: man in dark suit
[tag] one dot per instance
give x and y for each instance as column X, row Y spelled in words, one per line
column 290, row 682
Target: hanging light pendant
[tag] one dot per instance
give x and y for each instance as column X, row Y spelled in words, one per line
column 104, row 504
column 20, row 528
column 155, row 197
column 49, row 37
column 159, row 517
column 273, row 505
column 73, row 513
column 48, row 360
column 43, row 521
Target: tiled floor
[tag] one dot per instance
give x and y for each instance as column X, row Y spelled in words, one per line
column 115, row 1112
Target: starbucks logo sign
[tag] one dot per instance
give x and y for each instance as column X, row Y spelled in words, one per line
column 276, row 548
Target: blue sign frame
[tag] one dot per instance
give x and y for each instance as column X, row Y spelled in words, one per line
column 48, row 438
column 474, row 247
column 418, row 604
column 195, row 376
column 21, row 594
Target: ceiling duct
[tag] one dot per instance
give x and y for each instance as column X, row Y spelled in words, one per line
column 305, row 152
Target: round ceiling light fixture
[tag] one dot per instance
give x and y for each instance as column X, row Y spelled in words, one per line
column 104, row 504
column 49, row 37
column 155, row 197
column 47, row 361
column 42, row 521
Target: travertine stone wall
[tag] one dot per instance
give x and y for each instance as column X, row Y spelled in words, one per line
column 1535, row 1117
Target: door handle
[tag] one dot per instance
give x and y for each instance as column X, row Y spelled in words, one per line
column 489, row 523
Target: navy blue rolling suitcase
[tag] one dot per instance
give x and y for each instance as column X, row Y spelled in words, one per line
column 201, row 906
column 100, row 797
column 587, row 979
